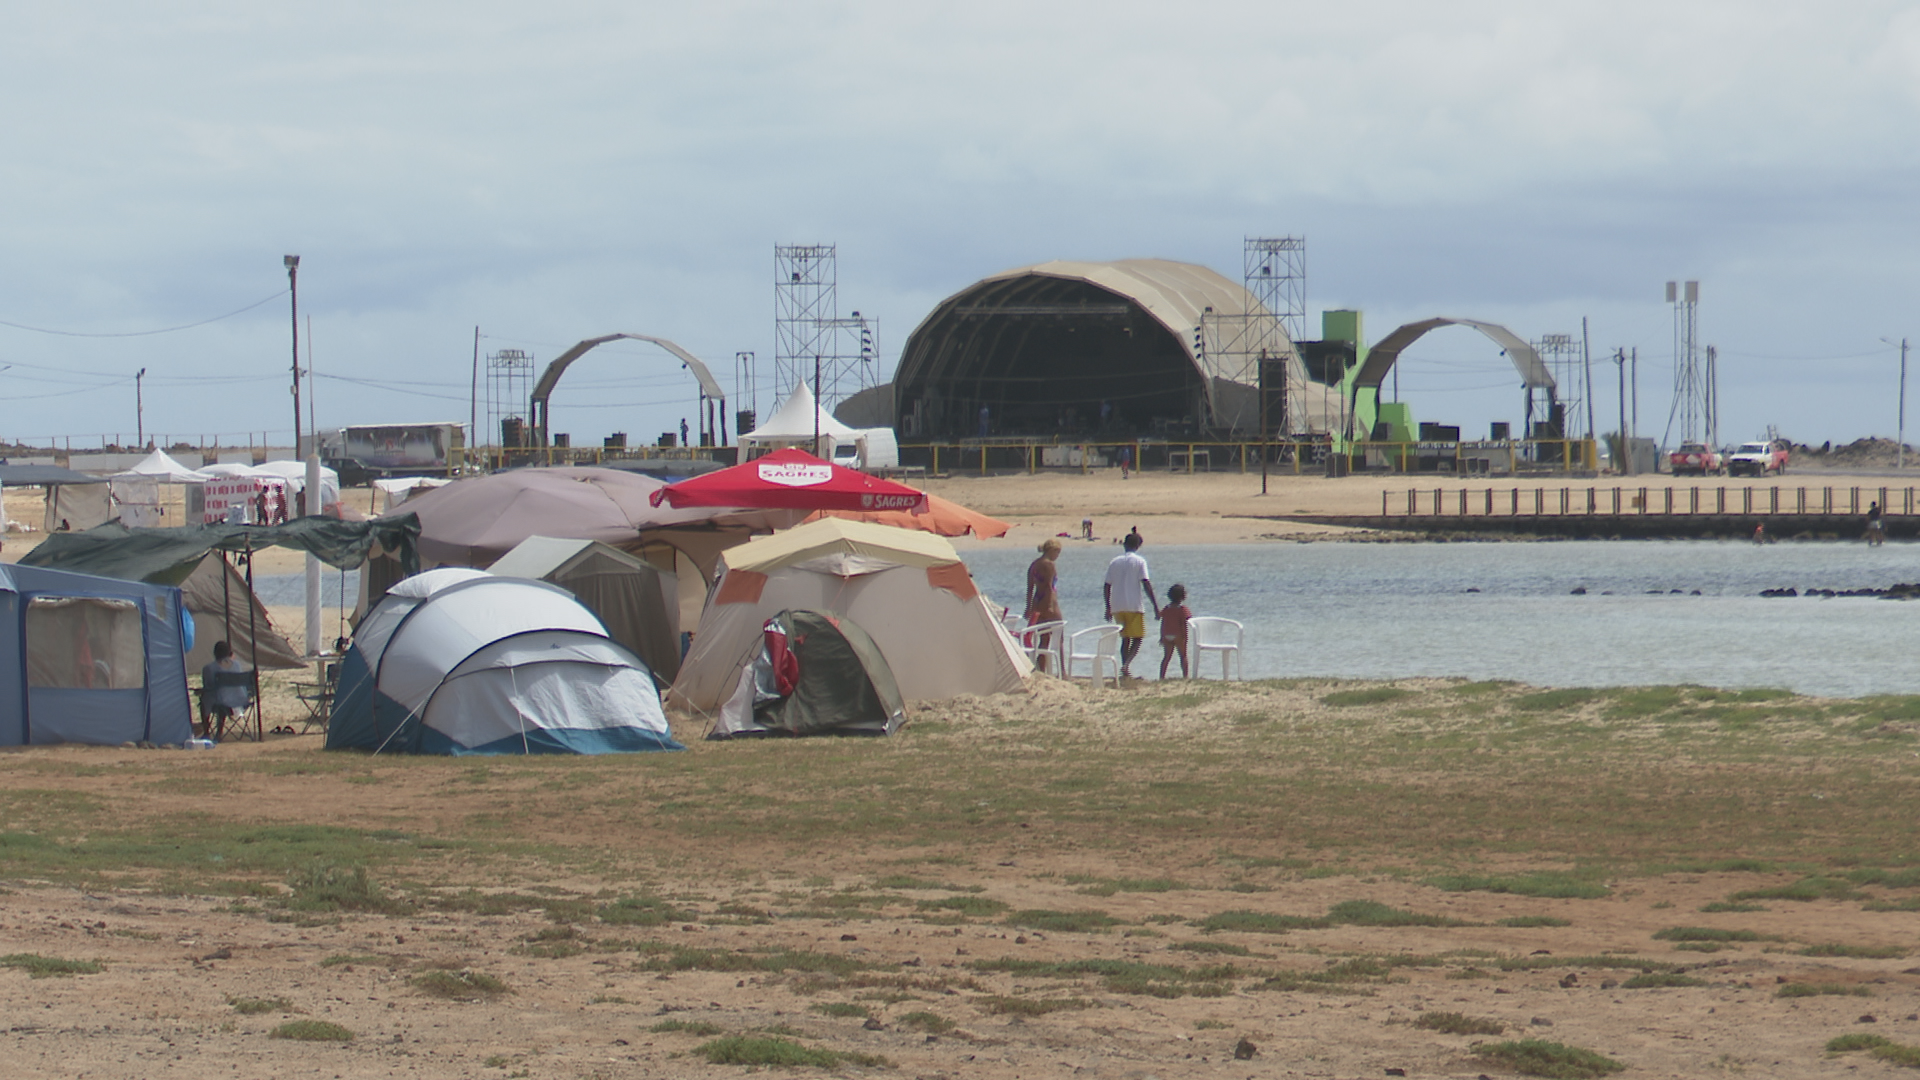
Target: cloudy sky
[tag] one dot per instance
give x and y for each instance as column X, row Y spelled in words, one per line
column 558, row 171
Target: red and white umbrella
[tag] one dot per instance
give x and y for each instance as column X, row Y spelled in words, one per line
column 792, row 480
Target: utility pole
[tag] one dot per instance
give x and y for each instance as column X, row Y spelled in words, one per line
column 1625, row 464
column 1633, row 383
column 473, row 418
column 140, row 406
column 292, row 263
column 1900, row 456
column 1586, row 362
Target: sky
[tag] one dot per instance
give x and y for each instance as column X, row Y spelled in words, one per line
column 547, row 173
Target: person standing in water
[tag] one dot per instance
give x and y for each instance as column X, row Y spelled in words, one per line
column 1173, row 630
column 1126, row 586
column 1043, row 595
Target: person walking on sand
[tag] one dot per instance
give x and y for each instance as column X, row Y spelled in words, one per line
column 1173, row 630
column 1126, row 586
column 1043, row 595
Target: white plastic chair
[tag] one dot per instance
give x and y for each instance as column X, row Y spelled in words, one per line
column 1105, row 650
column 1211, row 633
column 1047, row 637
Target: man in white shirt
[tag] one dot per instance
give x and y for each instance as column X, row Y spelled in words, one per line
column 1125, row 587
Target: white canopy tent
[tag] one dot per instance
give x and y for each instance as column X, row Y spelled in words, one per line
column 793, row 424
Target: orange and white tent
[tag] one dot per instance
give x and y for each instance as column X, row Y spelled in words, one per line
column 908, row 590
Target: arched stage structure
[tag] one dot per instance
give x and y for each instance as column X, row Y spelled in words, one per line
column 1073, row 347
column 710, row 391
column 1382, row 356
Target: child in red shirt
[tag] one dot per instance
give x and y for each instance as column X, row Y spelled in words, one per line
column 1173, row 630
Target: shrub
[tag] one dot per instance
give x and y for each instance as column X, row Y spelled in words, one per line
column 46, row 967
column 1453, row 1023
column 932, row 1023
column 641, row 911
column 459, row 984
column 325, row 886
column 1655, row 980
column 311, row 1031
column 1800, row 990
column 1703, row 933
column 1083, row 921
column 1537, row 1057
column 1374, row 913
column 246, row 1006
column 688, row 1027
column 1260, row 922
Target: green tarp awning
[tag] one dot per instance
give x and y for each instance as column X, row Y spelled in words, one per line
column 167, row 556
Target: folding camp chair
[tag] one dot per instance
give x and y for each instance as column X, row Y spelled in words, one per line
column 318, row 698
column 216, row 718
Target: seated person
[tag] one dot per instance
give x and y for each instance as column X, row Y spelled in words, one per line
column 226, row 687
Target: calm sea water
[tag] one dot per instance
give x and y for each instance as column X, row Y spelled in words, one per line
column 1393, row 610
column 1379, row 611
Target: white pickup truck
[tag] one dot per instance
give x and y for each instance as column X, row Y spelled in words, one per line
column 1758, row 459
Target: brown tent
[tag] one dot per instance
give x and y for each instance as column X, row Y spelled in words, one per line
column 475, row 521
column 256, row 643
column 638, row 603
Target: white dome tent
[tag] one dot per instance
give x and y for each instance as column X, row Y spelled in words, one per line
column 469, row 663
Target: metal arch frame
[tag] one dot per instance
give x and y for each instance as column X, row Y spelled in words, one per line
column 1381, row 357
column 543, row 390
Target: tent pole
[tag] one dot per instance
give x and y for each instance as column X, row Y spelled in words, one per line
column 253, row 648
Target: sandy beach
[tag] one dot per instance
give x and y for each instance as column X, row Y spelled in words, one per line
column 1173, row 879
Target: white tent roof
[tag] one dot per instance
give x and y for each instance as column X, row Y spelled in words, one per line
column 435, row 638
column 795, row 418
column 292, row 472
column 159, row 466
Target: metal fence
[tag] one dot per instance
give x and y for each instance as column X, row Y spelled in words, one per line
column 1028, row 455
column 1627, row 501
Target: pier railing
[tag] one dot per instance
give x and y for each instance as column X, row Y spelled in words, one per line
column 1622, row 501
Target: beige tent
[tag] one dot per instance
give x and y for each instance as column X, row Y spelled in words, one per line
column 256, row 643
column 908, row 590
column 639, row 603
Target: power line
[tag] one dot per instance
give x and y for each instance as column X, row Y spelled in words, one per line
column 144, row 333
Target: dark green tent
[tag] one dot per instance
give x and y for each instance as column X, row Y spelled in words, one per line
column 842, row 684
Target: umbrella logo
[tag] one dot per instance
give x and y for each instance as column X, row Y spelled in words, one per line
column 794, row 474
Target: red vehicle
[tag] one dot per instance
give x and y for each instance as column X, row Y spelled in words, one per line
column 1695, row 459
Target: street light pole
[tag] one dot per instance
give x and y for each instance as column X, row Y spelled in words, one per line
column 139, row 409
column 1900, row 451
column 292, row 263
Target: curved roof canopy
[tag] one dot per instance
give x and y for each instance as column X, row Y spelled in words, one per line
column 1380, row 358
column 543, row 390
column 1062, row 333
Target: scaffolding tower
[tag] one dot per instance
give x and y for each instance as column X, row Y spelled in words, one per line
column 509, row 386
column 1243, row 346
column 809, row 335
column 1693, row 389
column 1276, row 274
column 1565, row 358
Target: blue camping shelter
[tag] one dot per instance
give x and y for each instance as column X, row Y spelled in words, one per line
column 88, row 659
column 457, row 661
